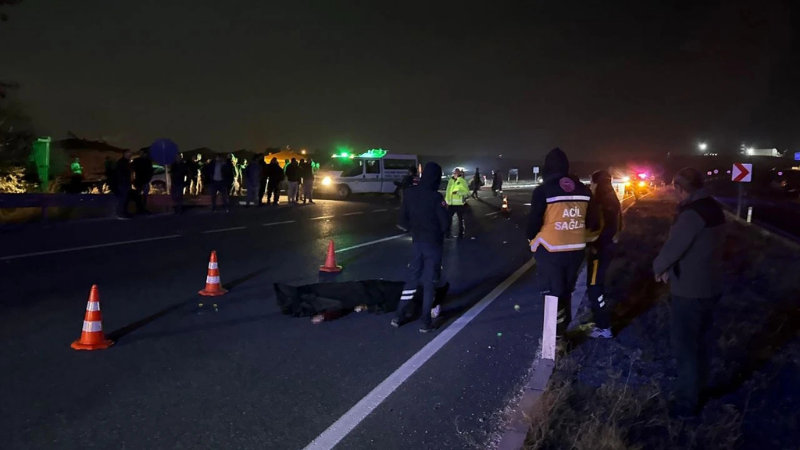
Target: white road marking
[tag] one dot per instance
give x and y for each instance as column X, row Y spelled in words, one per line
column 342, row 427
column 493, row 213
column 353, row 213
column 397, row 207
column 277, row 223
column 87, row 247
column 380, row 210
column 527, row 204
column 321, row 218
column 370, row 243
column 223, row 230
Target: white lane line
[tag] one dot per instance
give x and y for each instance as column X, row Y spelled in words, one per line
column 353, row 213
column 397, row 207
column 493, row 213
column 321, row 218
column 87, row 247
column 221, row 230
column 370, row 243
column 342, row 427
column 380, row 210
column 277, row 223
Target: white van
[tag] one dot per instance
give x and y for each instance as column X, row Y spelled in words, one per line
column 374, row 171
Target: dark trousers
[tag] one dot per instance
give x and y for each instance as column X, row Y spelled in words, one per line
column 597, row 262
column 556, row 275
column 177, row 197
column 273, row 191
column 221, row 188
column 457, row 210
column 262, row 189
column 690, row 324
column 426, row 270
column 123, row 198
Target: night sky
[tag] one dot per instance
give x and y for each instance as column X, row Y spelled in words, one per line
column 517, row 78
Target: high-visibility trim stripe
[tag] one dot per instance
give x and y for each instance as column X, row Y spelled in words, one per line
column 92, row 326
column 595, row 263
column 601, row 304
column 213, row 265
column 93, row 306
column 561, row 320
column 535, row 244
column 409, row 291
column 212, row 280
column 407, row 297
column 568, row 198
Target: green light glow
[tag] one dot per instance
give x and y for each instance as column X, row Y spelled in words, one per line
column 374, row 153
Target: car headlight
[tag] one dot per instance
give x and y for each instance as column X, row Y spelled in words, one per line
column 326, row 181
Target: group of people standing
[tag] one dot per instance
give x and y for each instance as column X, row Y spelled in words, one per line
column 569, row 224
column 223, row 176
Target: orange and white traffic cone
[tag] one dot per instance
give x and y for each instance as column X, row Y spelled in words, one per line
column 213, row 286
column 92, row 336
column 330, row 261
column 505, row 210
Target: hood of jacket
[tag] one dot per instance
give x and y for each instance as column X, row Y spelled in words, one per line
column 431, row 176
column 555, row 164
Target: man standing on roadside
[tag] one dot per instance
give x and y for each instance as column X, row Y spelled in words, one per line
column 220, row 173
column 121, row 185
column 293, row 176
column 600, row 249
column 424, row 213
column 142, row 174
column 275, row 177
column 691, row 262
column 307, row 176
column 556, row 234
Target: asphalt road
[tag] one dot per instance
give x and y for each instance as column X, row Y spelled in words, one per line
column 241, row 375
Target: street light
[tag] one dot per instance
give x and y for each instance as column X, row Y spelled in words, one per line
column 702, row 146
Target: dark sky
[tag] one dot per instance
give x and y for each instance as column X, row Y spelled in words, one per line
column 510, row 77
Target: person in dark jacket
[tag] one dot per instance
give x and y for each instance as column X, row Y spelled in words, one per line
column 477, row 182
column 142, row 174
column 263, row 176
column 691, row 262
column 178, row 175
column 307, row 177
column 424, row 213
column 556, row 233
column 252, row 180
column 293, row 177
column 275, row 177
column 192, row 166
column 600, row 248
column 220, row 174
column 409, row 180
column 121, row 186
column 497, row 183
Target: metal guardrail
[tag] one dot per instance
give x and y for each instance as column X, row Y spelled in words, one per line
column 45, row 201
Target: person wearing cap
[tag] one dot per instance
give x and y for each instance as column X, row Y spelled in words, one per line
column 557, row 234
column 601, row 239
column 691, row 263
column 456, row 198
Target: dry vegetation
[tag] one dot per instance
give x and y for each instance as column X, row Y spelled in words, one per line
column 612, row 394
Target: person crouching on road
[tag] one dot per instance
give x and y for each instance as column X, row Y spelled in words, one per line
column 691, row 262
column 556, row 233
column 424, row 213
column 600, row 248
column 456, row 198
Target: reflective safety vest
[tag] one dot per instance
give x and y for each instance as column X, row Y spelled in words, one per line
column 564, row 225
column 461, row 189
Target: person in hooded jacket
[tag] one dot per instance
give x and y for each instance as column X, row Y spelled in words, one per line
column 600, row 248
column 556, row 233
column 424, row 213
column 276, row 175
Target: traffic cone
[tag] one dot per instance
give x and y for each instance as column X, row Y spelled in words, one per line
column 213, row 286
column 92, row 336
column 330, row 261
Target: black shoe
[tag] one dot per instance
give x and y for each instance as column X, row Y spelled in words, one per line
column 396, row 322
column 426, row 329
column 311, row 202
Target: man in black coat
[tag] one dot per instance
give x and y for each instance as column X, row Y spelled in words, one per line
column 220, row 174
column 121, row 186
column 424, row 213
column 275, row 174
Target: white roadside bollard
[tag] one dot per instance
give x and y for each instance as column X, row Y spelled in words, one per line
column 549, row 328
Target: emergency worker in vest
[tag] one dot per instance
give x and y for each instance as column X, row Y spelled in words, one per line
column 557, row 233
column 456, row 198
column 600, row 248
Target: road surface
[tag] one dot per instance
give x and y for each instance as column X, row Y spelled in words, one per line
column 241, row 375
